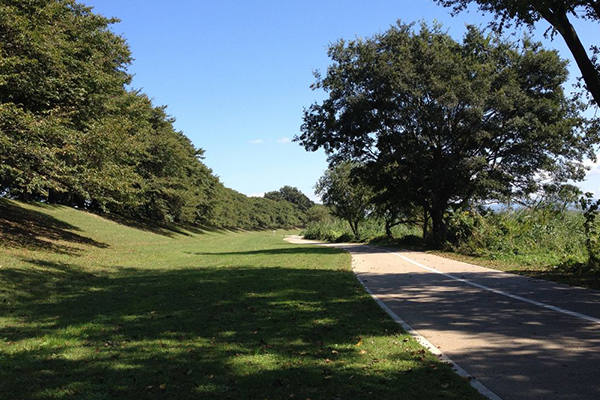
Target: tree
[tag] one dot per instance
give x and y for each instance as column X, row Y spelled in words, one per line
column 293, row 195
column 347, row 197
column 391, row 199
column 450, row 122
column 70, row 131
column 60, row 66
column 318, row 213
column 557, row 14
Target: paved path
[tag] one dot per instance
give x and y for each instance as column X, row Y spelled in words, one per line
column 522, row 338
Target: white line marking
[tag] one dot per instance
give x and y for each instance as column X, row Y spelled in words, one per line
column 500, row 292
column 480, row 387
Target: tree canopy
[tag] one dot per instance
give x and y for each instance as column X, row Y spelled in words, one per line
column 348, row 197
column 557, row 14
column 449, row 122
column 72, row 132
column 293, row 195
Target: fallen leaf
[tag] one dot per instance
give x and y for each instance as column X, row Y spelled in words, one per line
column 363, row 352
column 163, row 386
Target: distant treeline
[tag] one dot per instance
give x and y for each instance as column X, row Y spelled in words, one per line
column 72, row 132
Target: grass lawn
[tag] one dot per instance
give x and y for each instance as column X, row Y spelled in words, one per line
column 92, row 309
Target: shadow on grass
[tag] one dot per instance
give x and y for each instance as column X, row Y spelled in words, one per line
column 172, row 229
column 310, row 250
column 158, row 228
column 24, row 228
column 211, row 333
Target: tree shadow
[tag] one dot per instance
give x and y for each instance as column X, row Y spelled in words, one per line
column 158, row 228
column 309, row 250
column 167, row 229
column 508, row 344
column 198, row 333
column 25, row 228
column 587, row 279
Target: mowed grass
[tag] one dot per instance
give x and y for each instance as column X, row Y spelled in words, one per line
column 92, row 309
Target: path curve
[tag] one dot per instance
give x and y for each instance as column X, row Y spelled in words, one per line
column 523, row 338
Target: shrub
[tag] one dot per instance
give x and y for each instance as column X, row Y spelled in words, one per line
column 543, row 237
column 337, row 230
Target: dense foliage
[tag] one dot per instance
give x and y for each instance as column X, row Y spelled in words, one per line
column 557, row 14
column 235, row 210
column 348, row 198
column 544, row 237
column 441, row 124
column 293, row 195
column 71, row 132
column 372, row 229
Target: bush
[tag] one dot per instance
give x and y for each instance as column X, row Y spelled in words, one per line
column 337, row 230
column 534, row 237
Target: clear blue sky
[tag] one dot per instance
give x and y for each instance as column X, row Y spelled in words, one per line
column 237, row 74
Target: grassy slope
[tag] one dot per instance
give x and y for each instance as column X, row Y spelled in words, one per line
column 90, row 309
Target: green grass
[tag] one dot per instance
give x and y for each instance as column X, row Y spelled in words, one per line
column 91, row 309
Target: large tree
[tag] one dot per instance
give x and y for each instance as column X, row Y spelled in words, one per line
column 557, row 14
column 345, row 194
column 452, row 122
column 293, row 195
column 60, row 68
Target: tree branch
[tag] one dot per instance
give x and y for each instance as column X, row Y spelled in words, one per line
column 559, row 20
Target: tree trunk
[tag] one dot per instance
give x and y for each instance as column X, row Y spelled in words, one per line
column 388, row 229
column 438, row 224
column 425, row 222
column 354, row 227
column 559, row 20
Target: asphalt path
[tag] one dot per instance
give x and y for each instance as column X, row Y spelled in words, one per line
column 522, row 338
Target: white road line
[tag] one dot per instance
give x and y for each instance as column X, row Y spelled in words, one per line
column 500, row 292
column 480, row 387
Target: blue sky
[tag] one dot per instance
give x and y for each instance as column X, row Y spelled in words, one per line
column 236, row 75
